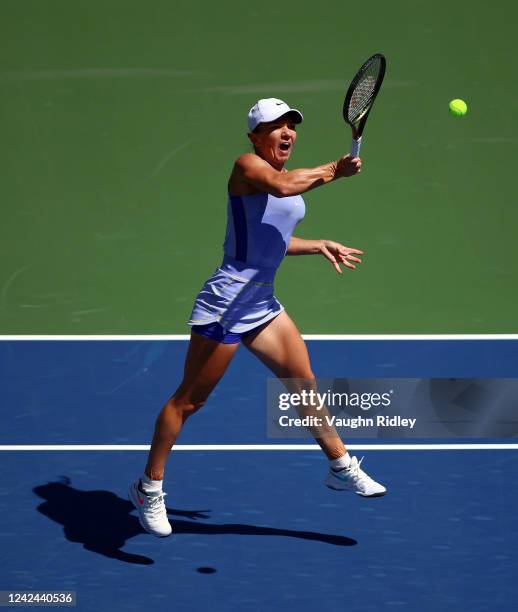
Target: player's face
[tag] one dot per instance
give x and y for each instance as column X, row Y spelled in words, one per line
column 274, row 141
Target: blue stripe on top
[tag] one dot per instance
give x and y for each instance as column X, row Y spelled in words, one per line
column 240, row 228
column 259, row 228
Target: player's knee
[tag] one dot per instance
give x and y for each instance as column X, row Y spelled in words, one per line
column 297, row 372
column 187, row 405
column 192, row 407
column 303, row 383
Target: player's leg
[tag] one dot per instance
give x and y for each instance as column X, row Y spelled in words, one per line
column 205, row 364
column 282, row 349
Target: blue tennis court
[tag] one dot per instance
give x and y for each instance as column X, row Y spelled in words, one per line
column 253, row 529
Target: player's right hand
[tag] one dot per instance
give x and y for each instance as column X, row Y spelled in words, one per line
column 348, row 166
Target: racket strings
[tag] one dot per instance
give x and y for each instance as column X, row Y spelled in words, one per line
column 361, row 97
column 363, row 93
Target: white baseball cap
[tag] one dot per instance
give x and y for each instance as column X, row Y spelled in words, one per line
column 269, row 109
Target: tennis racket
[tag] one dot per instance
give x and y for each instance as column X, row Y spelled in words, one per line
column 360, row 97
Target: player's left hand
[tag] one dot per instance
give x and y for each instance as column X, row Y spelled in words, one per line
column 339, row 254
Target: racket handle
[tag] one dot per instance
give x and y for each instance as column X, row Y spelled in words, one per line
column 355, row 147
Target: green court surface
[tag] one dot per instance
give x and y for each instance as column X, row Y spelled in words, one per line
column 120, row 122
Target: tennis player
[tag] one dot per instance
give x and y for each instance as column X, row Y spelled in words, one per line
column 237, row 305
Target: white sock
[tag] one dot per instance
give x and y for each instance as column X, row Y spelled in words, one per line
column 150, row 486
column 340, row 463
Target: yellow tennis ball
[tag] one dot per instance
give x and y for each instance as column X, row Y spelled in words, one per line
column 458, row 108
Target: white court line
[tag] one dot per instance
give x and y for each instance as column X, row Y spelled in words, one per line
column 93, row 338
column 160, row 337
column 411, row 337
column 251, row 447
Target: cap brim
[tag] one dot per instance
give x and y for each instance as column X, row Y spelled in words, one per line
column 295, row 115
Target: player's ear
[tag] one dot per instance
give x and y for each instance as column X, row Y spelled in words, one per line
column 253, row 138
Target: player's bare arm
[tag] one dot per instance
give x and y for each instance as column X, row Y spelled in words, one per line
column 253, row 171
column 333, row 251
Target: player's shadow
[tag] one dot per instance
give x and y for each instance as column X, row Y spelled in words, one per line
column 103, row 522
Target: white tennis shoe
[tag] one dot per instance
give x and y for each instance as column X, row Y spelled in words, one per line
column 354, row 479
column 152, row 513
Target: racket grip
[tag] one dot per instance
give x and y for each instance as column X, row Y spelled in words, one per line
column 355, row 147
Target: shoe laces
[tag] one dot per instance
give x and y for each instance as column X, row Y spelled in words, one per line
column 357, row 473
column 156, row 504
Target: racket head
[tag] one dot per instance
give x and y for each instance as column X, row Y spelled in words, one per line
column 363, row 91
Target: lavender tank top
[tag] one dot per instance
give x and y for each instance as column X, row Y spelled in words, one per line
column 259, row 229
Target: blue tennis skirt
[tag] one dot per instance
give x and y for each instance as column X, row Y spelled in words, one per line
column 238, row 297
